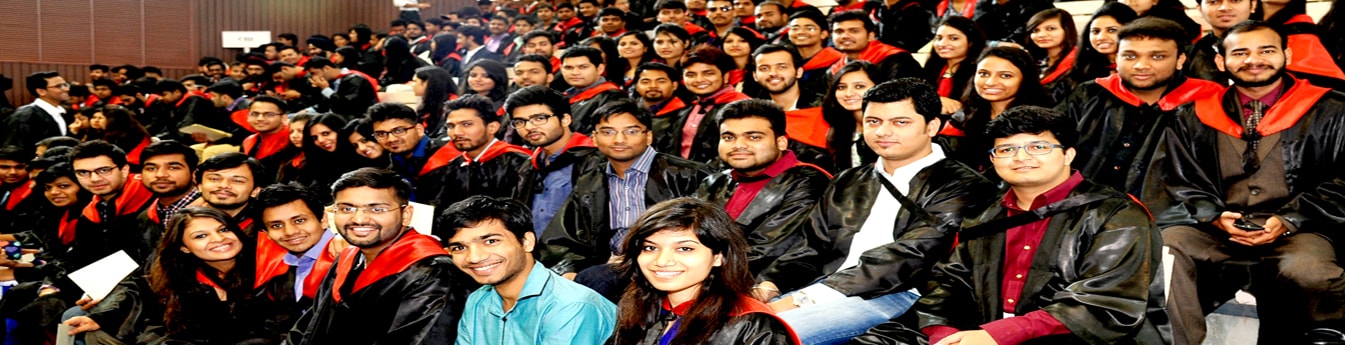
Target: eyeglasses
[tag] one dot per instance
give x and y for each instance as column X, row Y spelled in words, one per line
column 1034, row 148
column 629, row 132
column 260, row 114
column 536, row 120
column 60, row 86
column 399, row 131
column 104, row 171
column 720, row 9
column 348, row 210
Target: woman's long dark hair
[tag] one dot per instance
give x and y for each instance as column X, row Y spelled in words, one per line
column 496, row 71
column 56, row 171
column 641, row 305
column 321, row 168
column 1089, row 63
column 173, row 273
column 842, row 121
column 616, row 65
column 443, row 46
column 438, row 89
column 1066, row 24
column 122, row 128
column 400, row 64
column 648, row 55
column 977, row 111
column 975, row 44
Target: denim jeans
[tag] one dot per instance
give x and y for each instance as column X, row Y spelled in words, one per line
column 837, row 322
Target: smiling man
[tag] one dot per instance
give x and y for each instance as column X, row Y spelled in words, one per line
column 691, row 132
column 228, row 182
column 582, row 68
column 853, row 33
column 520, row 301
column 778, row 69
column 292, row 254
column 270, row 144
column 1122, row 117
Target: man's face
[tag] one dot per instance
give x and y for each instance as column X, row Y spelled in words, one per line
column 545, row 14
column 703, row 79
column 528, row 73
column 522, row 26
column 720, row 12
column 228, row 189
column 498, row 26
column 744, row 8
column 468, row 131
column 413, row 31
column 622, row 138
column 587, row 9
column 190, row 85
column 579, row 72
column 386, row 132
column 1027, row 170
column 1255, row 58
column 540, row 45
column 654, row 86
column 266, row 117
column 696, row 5
column 611, row 24
column 489, row 253
column 1223, row 14
column 544, row 134
column 379, row 216
column 97, row 74
column 897, row 133
column 313, row 50
column 290, row 56
column 57, row 90
column 255, row 71
column 170, row 96
column 1148, row 63
column 749, row 145
column 238, row 73
column 769, row 17
column 294, row 226
column 397, row 30
column 850, row 36
column 215, row 71
column 431, row 29
column 564, row 14
column 166, row 175
column 13, row 172
column 671, row 16
column 804, row 32
column 102, row 91
column 271, row 53
column 776, row 71
column 219, row 100
column 100, row 176
column 119, row 75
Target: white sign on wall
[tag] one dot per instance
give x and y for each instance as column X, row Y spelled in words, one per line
column 244, row 39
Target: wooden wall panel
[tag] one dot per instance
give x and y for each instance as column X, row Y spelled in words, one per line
column 167, row 35
column 118, row 35
column 66, row 34
column 19, row 39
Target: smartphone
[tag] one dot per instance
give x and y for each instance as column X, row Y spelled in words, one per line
column 1244, row 224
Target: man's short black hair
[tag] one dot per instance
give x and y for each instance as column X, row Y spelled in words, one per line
column 593, row 54
column 104, row 82
column 612, row 11
column 200, row 80
column 230, row 160
column 538, row 95
column 473, row 211
column 98, row 148
column 845, row 16
column 475, row 33
column 661, row 67
column 80, row 92
column 1249, row 26
column 671, row 5
column 171, row 147
column 151, row 69
column 318, row 62
column 435, row 21
column 538, row 58
column 1155, row 28
column 377, row 179
column 416, row 23
column 922, row 96
column 58, row 141
column 485, row 108
column 289, row 37
column 595, row 3
column 295, row 49
column 391, row 111
column 531, row 19
column 550, row 37
column 778, row 6
column 607, row 111
column 753, row 107
column 132, row 72
column 279, row 103
column 1029, row 119
column 397, row 22
column 98, row 67
column 15, row 153
column 811, row 13
column 281, row 194
column 228, row 88
column 38, row 80
column 794, row 55
column 711, row 56
column 169, row 85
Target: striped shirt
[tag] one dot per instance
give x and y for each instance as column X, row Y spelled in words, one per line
column 626, row 196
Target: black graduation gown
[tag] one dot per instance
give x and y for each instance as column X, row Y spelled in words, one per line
column 1200, row 60
column 581, row 111
column 768, row 219
column 532, row 175
column 705, row 144
column 907, row 26
column 947, row 190
column 1093, row 272
column 159, row 121
column 1004, row 22
column 495, row 175
column 129, row 311
column 98, row 238
column 353, row 96
column 193, row 108
column 28, row 125
column 580, row 234
column 756, row 328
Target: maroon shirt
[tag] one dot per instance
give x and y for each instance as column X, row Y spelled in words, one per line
column 748, row 187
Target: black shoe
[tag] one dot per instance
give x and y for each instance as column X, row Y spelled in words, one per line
column 1324, row 336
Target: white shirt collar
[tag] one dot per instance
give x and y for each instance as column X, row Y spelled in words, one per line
column 51, row 109
column 901, row 176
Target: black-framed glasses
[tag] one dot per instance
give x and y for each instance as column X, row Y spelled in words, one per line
column 535, row 120
column 104, row 171
column 628, row 132
column 1037, row 148
column 399, row 131
column 60, row 86
column 347, row 209
column 255, row 114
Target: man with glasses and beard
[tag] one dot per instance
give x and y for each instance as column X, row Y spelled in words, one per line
column 415, row 156
column 1122, row 117
column 1253, row 174
column 487, row 166
column 542, row 117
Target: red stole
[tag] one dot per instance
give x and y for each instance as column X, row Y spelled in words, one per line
column 968, row 9
column 945, row 84
column 192, row 93
column 240, row 117
column 204, row 279
column 1187, row 92
column 1066, row 63
column 1286, row 112
column 674, row 104
column 807, row 126
column 270, row 144
column 735, row 77
column 823, row 59
column 495, row 149
column 133, row 198
column 593, row 91
column 949, row 130
column 439, row 159
column 568, row 24
column 372, row 82
column 402, row 254
column 555, row 65
column 134, row 156
column 66, row 231
column 745, row 305
column 576, row 140
column 271, row 264
column 875, row 53
column 18, row 194
column 694, row 29
column 1310, row 56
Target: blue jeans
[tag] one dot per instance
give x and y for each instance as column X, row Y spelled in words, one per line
column 837, row 322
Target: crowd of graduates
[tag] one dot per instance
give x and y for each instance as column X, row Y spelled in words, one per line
column 697, row 172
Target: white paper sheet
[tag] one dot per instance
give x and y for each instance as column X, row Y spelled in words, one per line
column 1167, row 272
column 98, row 279
column 422, row 217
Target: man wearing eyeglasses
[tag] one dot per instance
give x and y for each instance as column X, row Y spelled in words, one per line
column 721, row 15
column 487, row 166
column 808, row 32
column 393, row 285
column 542, row 117
column 629, row 176
column 270, row 145
column 1055, row 259
column 43, row 118
column 582, row 68
column 415, row 156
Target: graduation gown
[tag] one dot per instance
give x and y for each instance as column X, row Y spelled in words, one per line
column 354, row 94
column 947, row 191
column 494, row 174
column 579, row 236
column 705, row 144
column 908, row 25
column 28, row 125
column 1118, row 132
column 894, row 62
column 410, row 294
column 583, row 104
column 1200, row 60
column 272, row 150
column 96, row 237
column 767, row 220
column 275, row 282
column 751, row 323
column 194, row 108
column 531, row 176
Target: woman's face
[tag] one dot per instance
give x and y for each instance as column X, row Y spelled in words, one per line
column 340, row 41
column 850, row 90
column 297, row 133
column 209, row 240
column 736, row 46
column 675, row 262
column 98, row 121
column 1048, row 34
column 630, row 47
column 997, row 79
column 669, row 47
column 62, row 192
column 1140, row 6
column 366, row 147
column 324, row 137
column 419, row 86
column 480, row 81
column 950, row 43
column 1102, row 34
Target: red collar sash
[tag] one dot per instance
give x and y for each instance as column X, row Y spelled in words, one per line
column 495, row 149
column 1286, row 112
column 240, row 116
column 807, row 126
column 1190, row 90
column 18, row 194
column 190, row 94
column 875, row 53
column 1310, row 56
column 134, row 156
column 968, row 9
column 270, row 144
column 593, row 91
column 67, row 229
column 1066, row 63
column 576, row 140
column 402, row 254
column 204, row 279
column 372, row 82
column 674, row 104
column 823, row 59
column 133, row 198
column 439, row 159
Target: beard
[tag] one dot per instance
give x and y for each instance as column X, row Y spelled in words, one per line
column 1279, row 75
